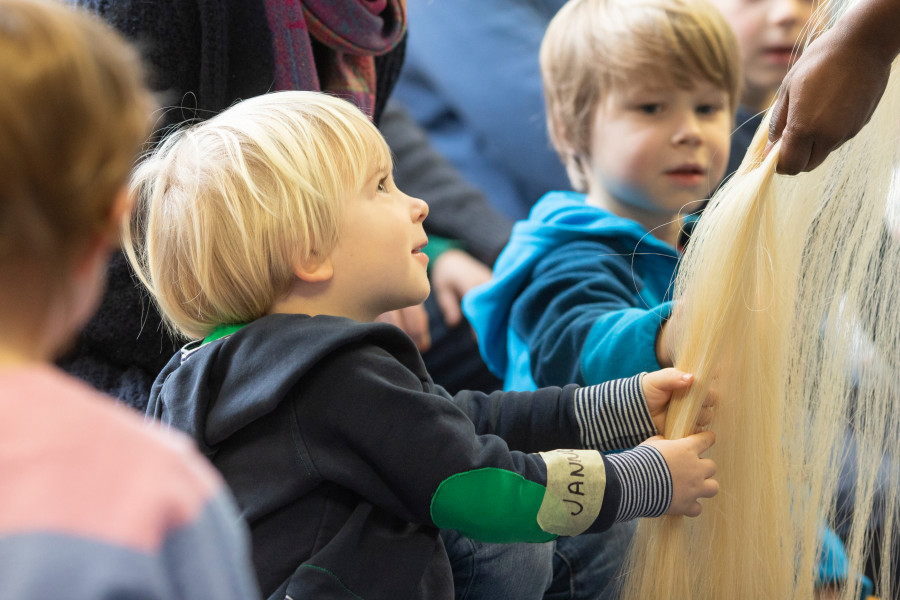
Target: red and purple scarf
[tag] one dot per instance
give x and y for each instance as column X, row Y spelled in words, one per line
column 353, row 31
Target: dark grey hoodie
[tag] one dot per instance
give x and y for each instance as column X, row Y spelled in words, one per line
column 346, row 458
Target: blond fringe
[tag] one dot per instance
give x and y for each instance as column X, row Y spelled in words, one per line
column 789, row 307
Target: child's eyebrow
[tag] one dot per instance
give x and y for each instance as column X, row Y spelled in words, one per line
column 641, row 92
column 377, row 174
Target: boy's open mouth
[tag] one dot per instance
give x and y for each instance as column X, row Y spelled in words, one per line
column 687, row 170
column 687, row 174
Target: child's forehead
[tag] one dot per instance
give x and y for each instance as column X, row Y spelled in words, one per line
column 381, row 160
column 650, row 85
column 378, row 170
column 378, row 159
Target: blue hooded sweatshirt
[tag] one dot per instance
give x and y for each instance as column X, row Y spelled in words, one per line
column 577, row 296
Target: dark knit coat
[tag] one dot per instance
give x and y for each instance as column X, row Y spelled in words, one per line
column 202, row 56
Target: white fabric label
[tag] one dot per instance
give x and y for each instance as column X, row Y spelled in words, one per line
column 576, row 482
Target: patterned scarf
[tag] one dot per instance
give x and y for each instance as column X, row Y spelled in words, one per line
column 354, row 32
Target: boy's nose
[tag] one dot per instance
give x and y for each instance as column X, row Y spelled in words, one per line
column 419, row 209
column 688, row 131
column 788, row 13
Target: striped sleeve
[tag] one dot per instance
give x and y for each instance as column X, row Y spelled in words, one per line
column 645, row 481
column 613, row 415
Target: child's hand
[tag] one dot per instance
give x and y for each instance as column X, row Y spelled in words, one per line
column 658, row 387
column 665, row 342
column 691, row 475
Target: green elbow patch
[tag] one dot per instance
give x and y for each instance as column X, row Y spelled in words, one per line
column 491, row 505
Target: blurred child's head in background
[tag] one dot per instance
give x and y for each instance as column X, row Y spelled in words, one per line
column 767, row 32
column 74, row 112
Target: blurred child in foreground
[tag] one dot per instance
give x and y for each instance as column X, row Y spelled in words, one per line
column 94, row 504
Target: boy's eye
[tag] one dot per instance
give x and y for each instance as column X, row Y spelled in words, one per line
column 382, row 186
column 708, row 109
column 650, row 108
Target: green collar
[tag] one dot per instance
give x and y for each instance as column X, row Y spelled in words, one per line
column 221, row 331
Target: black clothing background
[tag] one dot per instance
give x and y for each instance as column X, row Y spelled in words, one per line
column 202, row 56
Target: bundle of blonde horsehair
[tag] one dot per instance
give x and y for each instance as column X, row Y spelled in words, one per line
column 789, row 308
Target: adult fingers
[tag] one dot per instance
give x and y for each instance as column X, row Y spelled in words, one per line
column 448, row 302
column 779, row 115
column 819, row 152
column 796, row 148
column 795, row 153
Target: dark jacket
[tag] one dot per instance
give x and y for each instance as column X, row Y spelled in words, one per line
column 346, row 459
column 202, row 57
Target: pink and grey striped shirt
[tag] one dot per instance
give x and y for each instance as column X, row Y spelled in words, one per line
column 95, row 503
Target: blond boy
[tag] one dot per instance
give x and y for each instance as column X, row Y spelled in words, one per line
column 274, row 236
column 94, row 504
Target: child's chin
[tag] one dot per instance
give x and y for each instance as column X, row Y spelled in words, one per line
column 415, row 298
column 419, row 299
column 422, row 292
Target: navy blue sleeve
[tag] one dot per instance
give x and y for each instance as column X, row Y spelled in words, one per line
column 373, row 425
column 382, row 433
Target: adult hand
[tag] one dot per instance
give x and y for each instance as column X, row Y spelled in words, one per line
column 414, row 321
column 828, row 95
column 453, row 274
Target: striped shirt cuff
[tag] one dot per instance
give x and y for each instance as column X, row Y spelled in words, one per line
column 613, row 415
column 645, row 481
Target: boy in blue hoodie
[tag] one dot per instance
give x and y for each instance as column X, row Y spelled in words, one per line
column 641, row 95
column 640, row 98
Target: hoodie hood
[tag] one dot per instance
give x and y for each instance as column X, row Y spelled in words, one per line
column 557, row 219
column 242, row 377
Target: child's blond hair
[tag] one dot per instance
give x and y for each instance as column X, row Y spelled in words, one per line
column 594, row 46
column 229, row 207
column 74, row 112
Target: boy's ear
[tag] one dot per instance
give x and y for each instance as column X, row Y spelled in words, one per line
column 560, row 136
column 314, row 269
